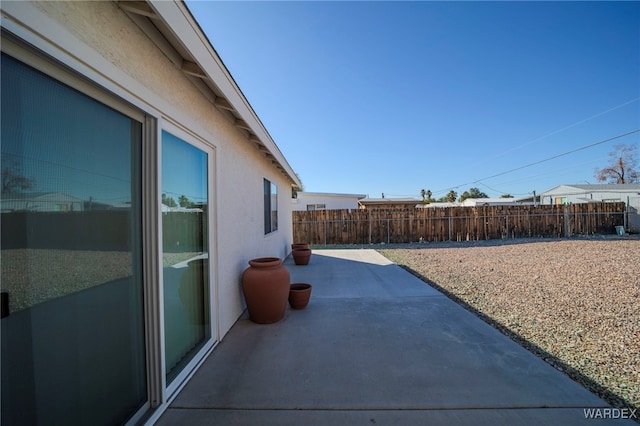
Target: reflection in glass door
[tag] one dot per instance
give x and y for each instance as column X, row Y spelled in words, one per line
column 185, row 252
column 72, row 326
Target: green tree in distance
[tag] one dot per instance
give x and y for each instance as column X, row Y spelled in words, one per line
column 472, row 193
column 184, row 201
column 168, row 201
column 426, row 196
column 449, row 198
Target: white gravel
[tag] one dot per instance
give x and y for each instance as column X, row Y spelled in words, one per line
column 575, row 303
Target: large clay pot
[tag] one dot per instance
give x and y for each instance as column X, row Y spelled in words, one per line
column 299, row 295
column 265, row 285
column 301, row 256
column 299, row 246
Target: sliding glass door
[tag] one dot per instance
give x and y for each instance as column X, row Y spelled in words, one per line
column 72, row 327
column 185, row 252
column 93, row 301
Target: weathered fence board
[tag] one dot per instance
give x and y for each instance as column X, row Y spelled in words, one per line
column 455, row 223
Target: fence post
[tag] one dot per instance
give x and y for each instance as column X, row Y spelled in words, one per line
column 450, row 233
column 625, row 215
column 348, row 236
column 507, row 219
column 325, row 232
column 388, row 230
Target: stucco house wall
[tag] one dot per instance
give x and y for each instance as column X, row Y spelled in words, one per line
column 330, row 201
column 627, row 193
column 101, row 42
column 240, row 168
column 472, row 202
column 388, row 203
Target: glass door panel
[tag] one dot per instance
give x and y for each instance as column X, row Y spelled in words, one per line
column 72, row 327
column 185, row 250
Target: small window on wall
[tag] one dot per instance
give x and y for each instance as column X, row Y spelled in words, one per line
column 270, row 207
column 314, row 207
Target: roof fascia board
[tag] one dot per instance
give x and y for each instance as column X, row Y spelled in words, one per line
column 331, row 194
column 179, row 20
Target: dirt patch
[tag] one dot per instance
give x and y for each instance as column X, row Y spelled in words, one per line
column 575, row 303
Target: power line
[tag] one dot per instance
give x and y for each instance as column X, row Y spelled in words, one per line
column 574, row 166
column 544, row 160
column 561, row 155
column 569, row 126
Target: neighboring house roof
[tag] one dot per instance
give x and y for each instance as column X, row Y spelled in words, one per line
column 439, row 204
column 329, row 194
column 39, row 196
column 174, row 30
column 39, row 202
column 607, row 187
column 166, row 209
column 389, row 201
column 493, row 201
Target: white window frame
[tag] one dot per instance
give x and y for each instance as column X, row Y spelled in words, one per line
column 268, row 206
column 187, row 372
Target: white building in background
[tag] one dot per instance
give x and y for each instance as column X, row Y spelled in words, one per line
column 475, row 202
column 40, row 202
column 628, row 193
column 309, row 201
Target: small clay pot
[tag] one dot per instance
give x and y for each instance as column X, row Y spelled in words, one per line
column 301, row 256
column 299, row 295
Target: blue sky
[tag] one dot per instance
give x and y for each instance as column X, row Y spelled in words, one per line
column 394, row 97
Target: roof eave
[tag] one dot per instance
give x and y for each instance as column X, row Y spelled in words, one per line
column 175, row 31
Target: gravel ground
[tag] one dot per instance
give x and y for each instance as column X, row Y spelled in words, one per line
column 32, row 276
column 575, row 303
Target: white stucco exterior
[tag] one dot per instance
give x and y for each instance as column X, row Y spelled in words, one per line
column 109, row 46
column 565, row 194
column 112, row 49
column 325, row 201
column 472, row 202
column 577, row 194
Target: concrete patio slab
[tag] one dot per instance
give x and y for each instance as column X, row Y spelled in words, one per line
column 375, row 345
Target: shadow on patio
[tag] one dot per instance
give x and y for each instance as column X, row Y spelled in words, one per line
column 375, row 345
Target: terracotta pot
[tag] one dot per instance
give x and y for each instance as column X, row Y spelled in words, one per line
column 301, row 256
column 299, row 246
column 265, row 285
column 299, row 295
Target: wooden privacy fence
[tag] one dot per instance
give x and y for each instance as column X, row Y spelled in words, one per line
column 455, row 223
